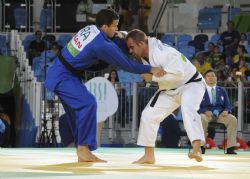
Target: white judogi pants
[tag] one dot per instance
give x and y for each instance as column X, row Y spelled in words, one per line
column 189, row 97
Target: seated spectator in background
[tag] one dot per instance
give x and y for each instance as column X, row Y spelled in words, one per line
column 4, row 128
column 56, row 48
column 241, row 54
column 114, row 79
column 229, row 39
column 240, row 144
column 217, row 58
column 209, row 52
column 243, row 39
column 36, row 46
column 201, row 64
column 222, row 73
column 215, row 106
column 171, row 132
column 243, row 69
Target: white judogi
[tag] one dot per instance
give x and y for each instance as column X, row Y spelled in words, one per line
column 188, row 96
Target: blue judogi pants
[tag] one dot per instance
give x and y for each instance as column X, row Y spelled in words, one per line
column 81, row 107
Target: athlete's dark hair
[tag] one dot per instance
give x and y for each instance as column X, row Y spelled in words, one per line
column 106, row 17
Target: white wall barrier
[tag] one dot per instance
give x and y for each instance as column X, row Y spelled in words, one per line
column 31, row 88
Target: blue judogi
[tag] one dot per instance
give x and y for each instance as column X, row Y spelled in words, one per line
column 85, row 47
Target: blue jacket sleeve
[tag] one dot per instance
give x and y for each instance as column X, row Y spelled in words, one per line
column 227, row 105
column 110, row 53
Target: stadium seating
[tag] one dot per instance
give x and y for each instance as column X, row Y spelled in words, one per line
column 45, row 19
column 168, row 39
column 215, row 38
column 183, row 40
column 209, row 18
column 64, row 39
column 248, row 49
column 187, row 51
column 27, row 40
column 20, row 17
column 248, row 38
column 3, row 45
column 232, row 12
column 206, row 46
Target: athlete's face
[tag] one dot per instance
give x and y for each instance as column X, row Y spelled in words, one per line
column 135, row 48
column 110, row 30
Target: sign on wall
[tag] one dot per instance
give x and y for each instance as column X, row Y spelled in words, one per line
column 106, row 97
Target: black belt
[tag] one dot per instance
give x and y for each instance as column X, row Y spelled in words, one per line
column 69, row 67
column 193, row 79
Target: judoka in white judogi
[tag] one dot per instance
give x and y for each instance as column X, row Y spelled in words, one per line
column 175, row 93
column 182, row 86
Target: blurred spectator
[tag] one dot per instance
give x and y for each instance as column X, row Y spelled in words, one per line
column 36, row 46
column 210, row 50
column 4, row 128
column 201, row 64
column 233, row 75
column 230, row 39
column 243, row 70
column 243, row 39
column 241, row 54
column 213, row 55
column 144, row 11
column 56, row 48
column 215, row 107
column 125, row 14
column 114, row 79
column 240, row 144
column 217, row 58
column 222, row 72
column 82, row 8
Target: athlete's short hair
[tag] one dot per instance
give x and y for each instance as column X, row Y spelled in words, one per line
column 106, row 17
column 137, row 35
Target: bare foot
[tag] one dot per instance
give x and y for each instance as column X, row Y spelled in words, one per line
column 85, row 155
column 145, row 159
column 89, row 158
column 195, row 155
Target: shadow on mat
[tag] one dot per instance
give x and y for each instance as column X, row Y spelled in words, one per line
column 98, row 168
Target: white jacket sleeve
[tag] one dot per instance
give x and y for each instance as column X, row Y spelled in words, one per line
column 172, row 64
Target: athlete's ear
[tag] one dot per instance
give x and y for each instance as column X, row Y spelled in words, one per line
column 104, row 27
